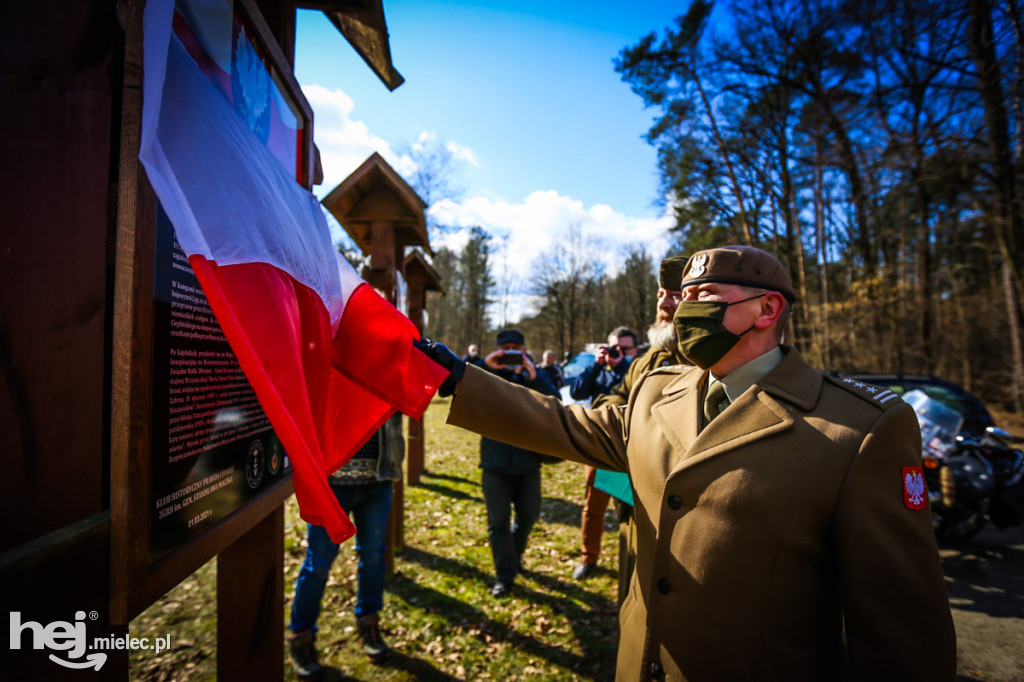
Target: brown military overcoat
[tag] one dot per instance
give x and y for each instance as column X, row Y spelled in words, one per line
column 652, row 359
column 776, row 544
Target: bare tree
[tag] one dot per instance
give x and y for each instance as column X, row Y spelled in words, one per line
column 564, row 281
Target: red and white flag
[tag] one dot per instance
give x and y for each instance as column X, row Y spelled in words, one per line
column 328, row 358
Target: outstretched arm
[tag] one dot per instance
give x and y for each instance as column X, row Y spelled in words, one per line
column 510, row 413
column 513, row 414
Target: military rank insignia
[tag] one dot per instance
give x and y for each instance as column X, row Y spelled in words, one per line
column 914, row 493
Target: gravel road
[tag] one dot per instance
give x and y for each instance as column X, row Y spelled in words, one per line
column 985, row 579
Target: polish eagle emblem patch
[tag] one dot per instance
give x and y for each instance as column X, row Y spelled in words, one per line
column 914, row 494
column 699, row 264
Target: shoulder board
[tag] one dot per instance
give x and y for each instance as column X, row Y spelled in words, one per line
column 672, row 369
column 879, row 396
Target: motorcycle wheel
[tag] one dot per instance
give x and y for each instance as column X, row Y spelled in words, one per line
column 961, row 522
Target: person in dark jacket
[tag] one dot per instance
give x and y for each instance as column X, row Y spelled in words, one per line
column 511, row 475
column 552, row 369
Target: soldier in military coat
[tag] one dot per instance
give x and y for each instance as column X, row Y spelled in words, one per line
column 776, row 536
column 664, row 348
column 663, row 352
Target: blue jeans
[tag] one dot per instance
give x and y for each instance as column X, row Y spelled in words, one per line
column 369, row 506
column 502, row 492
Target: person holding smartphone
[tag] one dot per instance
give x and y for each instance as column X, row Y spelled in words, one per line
column 511, row 475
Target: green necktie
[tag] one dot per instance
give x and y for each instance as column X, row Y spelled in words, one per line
column 715, row 401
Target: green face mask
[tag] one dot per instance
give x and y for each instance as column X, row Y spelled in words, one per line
column 703, row 336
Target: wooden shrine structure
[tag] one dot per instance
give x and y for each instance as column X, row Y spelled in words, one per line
column 101, row 519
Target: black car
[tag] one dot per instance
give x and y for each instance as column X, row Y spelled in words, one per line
column 976, row 417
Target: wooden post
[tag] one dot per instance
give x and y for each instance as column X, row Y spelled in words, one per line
column 382, row 258
column 417, row 303
column 421, row 277
column 414, row 468
column 250, row 610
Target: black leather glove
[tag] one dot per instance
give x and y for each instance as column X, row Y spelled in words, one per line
column 440, row 353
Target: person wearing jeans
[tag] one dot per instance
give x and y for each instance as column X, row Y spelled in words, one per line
column 364, row 490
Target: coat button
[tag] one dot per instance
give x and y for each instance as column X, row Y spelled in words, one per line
column 664, row 586
column 674, row 502
column 657, row 672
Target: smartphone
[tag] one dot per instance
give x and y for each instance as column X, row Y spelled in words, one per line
column 511, row 358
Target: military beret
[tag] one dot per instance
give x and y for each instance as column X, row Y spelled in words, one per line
column 671, row 272
column 743, row 265
column 511, row 336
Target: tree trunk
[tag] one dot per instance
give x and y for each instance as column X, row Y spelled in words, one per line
column 1009, row 226
column 737, row 192
column 924, row 274
column 819, row 225
column 851, row 167
column 793, row 238
column 1013, row 313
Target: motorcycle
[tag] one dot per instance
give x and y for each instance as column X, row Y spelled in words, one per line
column 970, row 480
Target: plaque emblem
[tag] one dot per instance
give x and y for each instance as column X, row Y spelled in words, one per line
column 274, row 461
column 255, row 464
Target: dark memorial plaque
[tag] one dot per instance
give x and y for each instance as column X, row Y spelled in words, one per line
column 196, row 471
column 213, row 447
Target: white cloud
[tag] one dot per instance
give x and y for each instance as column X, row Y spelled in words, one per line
column 344, row 142
column 545, row 216
column 523, row 231
column 428, row 139
column 461, row 153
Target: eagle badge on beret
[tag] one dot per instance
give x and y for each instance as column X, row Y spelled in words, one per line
column 914, row 494
column 700, row 262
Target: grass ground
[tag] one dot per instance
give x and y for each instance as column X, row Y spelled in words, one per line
column 439, row 616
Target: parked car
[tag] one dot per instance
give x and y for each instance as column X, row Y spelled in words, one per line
column 579, row 362
column 976, row 416
column 573, row 368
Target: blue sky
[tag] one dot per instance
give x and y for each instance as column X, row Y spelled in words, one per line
column 526, row 95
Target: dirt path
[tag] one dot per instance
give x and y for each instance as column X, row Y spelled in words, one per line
column 985, row 579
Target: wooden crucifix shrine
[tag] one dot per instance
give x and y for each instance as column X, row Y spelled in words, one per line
column 383, row 215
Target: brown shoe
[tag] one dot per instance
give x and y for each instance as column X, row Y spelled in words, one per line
column 373, row 644
column 302, row 647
